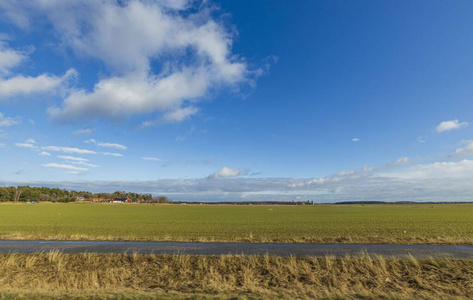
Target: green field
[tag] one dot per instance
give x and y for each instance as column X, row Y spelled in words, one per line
column 448, row 224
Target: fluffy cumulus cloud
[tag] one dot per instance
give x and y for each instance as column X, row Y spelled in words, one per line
column 19, row 85
column 227, row 172
column 24, row 86
column 450, row 125
column 189, row 49
column 9, row 58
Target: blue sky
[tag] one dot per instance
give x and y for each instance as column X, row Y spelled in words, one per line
column 239, row 100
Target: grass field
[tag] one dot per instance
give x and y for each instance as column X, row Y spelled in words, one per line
column 448, row 224
column 112, row 276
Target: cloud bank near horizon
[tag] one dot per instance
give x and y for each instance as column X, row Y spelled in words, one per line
column 439, row 181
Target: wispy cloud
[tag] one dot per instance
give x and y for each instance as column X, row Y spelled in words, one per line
column 450, row 125
column 355, row 139
column 73, row 172
column 85, row 164
column 68, row 150
column 64, row 166
column 73, row 158
column 44, row 153
column 106, row 145
column 8, row 121
column 154, row 159
column 84, row 131
column 112, row 154
column 25, row 145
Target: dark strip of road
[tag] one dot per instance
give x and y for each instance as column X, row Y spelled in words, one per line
column 417, row 251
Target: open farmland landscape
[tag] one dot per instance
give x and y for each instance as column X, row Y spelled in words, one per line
column 245, row 149
column 397, row 224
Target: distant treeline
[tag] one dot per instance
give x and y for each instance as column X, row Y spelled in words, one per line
column 308, row 202
column 28, row 194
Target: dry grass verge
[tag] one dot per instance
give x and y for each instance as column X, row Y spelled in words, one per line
column 87, row 275
column 438, row 240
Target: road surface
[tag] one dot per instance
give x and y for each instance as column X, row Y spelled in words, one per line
column 418, row 251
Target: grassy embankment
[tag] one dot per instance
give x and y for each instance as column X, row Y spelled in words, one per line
column 441, row 224
column 180, row 276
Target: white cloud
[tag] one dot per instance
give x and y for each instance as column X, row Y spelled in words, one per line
column 355, row 139
column 30, row 141
column 85, row 164
column 375, row 186
column 68, row 150
column 23, row 86
column 25, row 145
column 350, row 175
column 9, row 58
column 464, row 151
column 422, row 138
column 107, row 145
column 2, row 145
column 436, row 170
column 399, row 162
column 63, row 166
column 193, row 50
column 153, row 159
column 85, row 131
column 112, row 154
column 177, row 115
column 227, row 172
column 8, row 121
column 44, row 153
column 450, row 125
column 72, row 158
column 73, row 172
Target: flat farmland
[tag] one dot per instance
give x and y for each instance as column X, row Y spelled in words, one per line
column 396, row 224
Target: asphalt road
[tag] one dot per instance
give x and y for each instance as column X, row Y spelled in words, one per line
column 418, row 251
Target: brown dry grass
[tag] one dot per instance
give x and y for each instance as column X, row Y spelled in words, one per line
column 438, row 240
column 89, row 275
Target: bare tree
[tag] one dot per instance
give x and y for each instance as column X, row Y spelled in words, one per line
column 17, row 194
